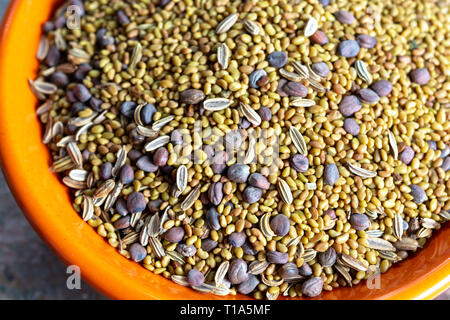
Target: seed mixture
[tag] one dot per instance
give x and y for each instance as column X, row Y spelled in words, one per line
column 352, row 98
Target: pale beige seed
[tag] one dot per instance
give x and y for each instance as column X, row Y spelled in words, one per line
column 43, row 48
column 344, row 273
column 312, row 74
column 424, row 233
column 190, row 199
column 146, row 132
column 223, row 56
column 175, row 256
column 60, row 42
column 317, row 86
column 158, row 125
column 430, row 223
column 257, row 267
column 221, row 272
column 311, row 27
column 157, row 143
column 251, row 153
column 251, row 27
column 63, row 164
column 389, row 255
column 64, row 141
column 216, row 104
column 291, row 76
column 88, row 208
column 113, row 196
column 45, row 87
column 300, row 102
column 130, row 238
column 182, row 177
column 298, row 140
column 309, row 255
column 407, row 243
column 393, row 144
column 271, row 283
column 79, row 185
column 227, row 23
column 156, row 247
column 137, row 114
column 362, row 72
column 353, row 263
column 264, row 226
column 398, row 226
column 75, row 154
column 285, row 192
column 100, row 118
column 78, row 175
column 180, row 280
column 104, row 189
column 136, row 56
column 143, row 236
column 212, row 289
column 379, row 244
column 251, row 115
column 374, row 233
column 363, row 173
column 301, row 69
column 121, row 159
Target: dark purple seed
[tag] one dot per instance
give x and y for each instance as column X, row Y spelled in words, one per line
column 312, row 287
column 255, row 76
column 348, row 48
column 368, row 96
column 288, row 270
column 215, row 193
column 295, row 89
column 331, row 213
column 244, row 123
column 238, row 173
column 121, row 207
column 248, row 249
column 218, row 167
column 420, row 76
column 248, row 285
column 122, row 18
column 122, row 223
column 237, row 239
column 70, row 96
column 382, row 88
column 278, row 59
column 60, row 22
column 154, row 205
column 81, row 93
column 280, row 88
column 324, row 2
column 107, row 41
column 86, row 154
column 106, row 170
column 127, row 174
column 280, row 225
column 134, row 154
column 127, row 108
column 344, row 17
column 445, row 152
column 259, row 181
column 321, row 69
column 208, row 245
column 349, row 105
column 137, row 252
column 327, row 258
column 299, row 162
column 195, row 278
column 212, row 218
column 319, row 37
column 136, row 202
column 174, row 235
column 144, row 163
column 160, row 157
column 432, row 145
column 407, row 155
column 59, row 79
column 265, row 113
column 351, row 126
column 48, row 26
column 446, row 164
column 252, row 194
column 192, row 96
column 136, row 138
column 277, row 257
column 81, row 72
column 418, row 194
column 176, row 137
column 186, row 250
column 359, row 221
column 233, row 140
column 237, row 273
column 147, row 113
column 366, row 41
column 96, row 104
column 305, row 270
column 331, row 174
column 209, row 150
column 78, row 107
column 164, row 3
column 80, row 5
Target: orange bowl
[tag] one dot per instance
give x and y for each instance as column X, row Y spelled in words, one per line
column 46, row 202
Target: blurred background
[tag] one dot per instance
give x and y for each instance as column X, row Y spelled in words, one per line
column 28, row 269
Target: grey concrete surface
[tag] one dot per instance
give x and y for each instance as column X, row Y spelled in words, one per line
column 28, row 269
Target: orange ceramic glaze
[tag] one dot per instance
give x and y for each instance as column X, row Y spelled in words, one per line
column 46, row 203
